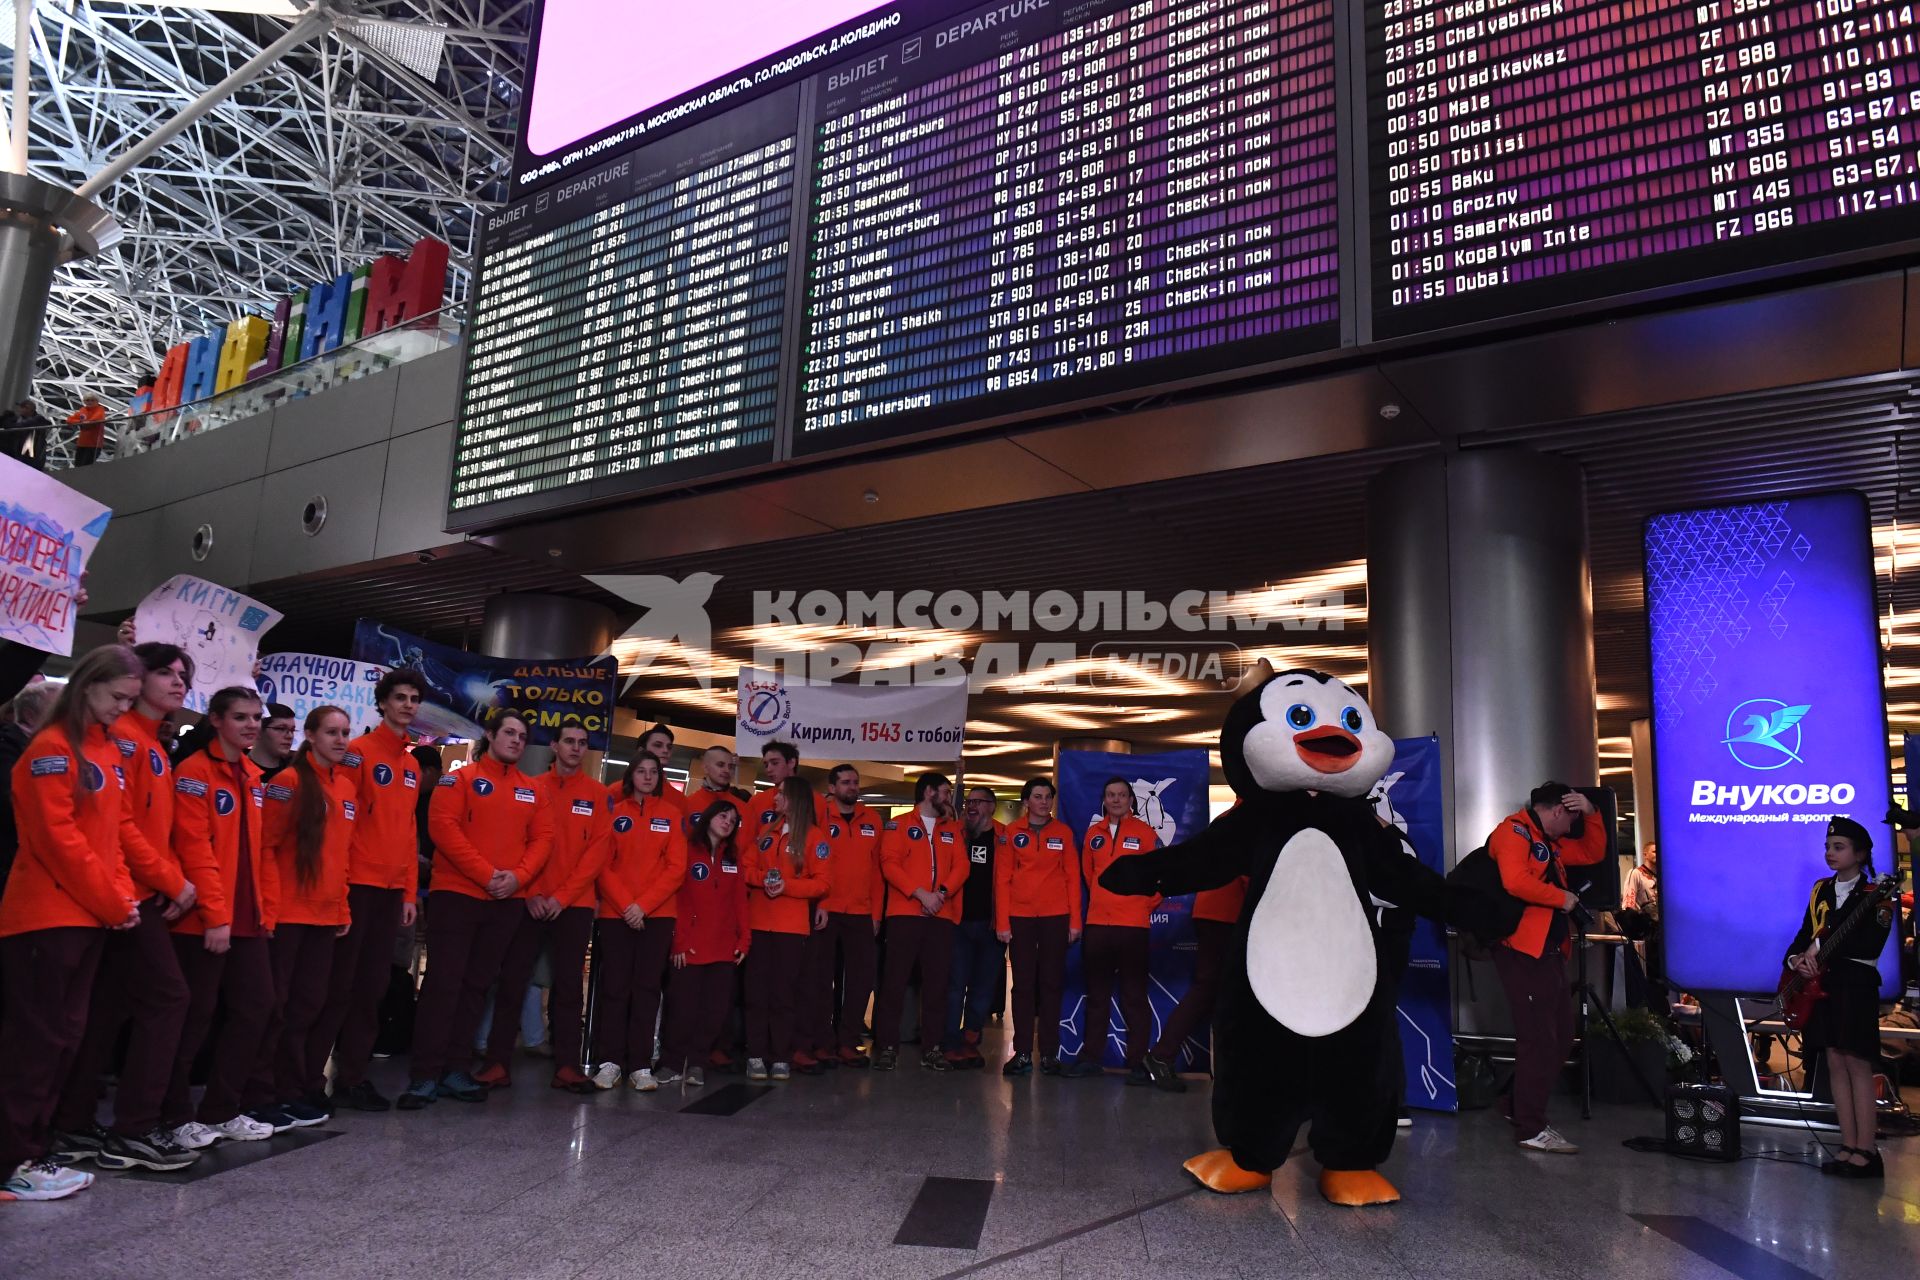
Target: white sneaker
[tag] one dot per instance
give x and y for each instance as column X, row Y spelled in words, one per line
column 781, row 1071
column 642, row 1081
column 43, row 1180
column 194, row 1136
column 607, row 1075
column 756, row 1068
column 242, row 1128
column 1552, row 1143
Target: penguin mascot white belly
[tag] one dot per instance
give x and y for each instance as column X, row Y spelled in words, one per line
column 1304, row 1033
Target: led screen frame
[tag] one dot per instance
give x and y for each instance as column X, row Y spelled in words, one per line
column 1789, row 632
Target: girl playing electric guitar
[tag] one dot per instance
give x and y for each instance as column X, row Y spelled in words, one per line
column 1846, row 1022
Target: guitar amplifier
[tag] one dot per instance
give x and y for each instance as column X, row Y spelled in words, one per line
column 1703, row 1120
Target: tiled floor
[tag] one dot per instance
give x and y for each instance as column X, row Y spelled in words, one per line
column 819, row 1178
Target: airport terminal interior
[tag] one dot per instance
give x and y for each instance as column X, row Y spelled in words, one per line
column 925, row 638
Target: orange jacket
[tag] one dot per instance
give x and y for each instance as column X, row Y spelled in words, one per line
column 149, row 798
column 582, row 839
column 1223, row 904
column 485, row 818
column 385, row 853
column 648, row 862
column 325, row 900
column 1037, row 873
column 91, row 419
column 1525, row 855
column 916, row 856
column 854, row 883
column 1100, row 849
column 792, row 911
column 211, row 808
column 69, row 871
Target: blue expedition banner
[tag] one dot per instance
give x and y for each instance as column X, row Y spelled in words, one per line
column 1410, row 797
column 464, row 687
column 1170, row 795
column 1768, row 718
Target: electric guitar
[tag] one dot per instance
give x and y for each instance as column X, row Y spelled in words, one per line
column 1799, row 994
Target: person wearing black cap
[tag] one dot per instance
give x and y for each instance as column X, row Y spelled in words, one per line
column 1531, row 848
column 1845, row 1024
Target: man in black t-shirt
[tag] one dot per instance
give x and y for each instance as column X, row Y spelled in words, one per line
column 979, row 957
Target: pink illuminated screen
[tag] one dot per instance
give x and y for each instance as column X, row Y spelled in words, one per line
column 601, row 61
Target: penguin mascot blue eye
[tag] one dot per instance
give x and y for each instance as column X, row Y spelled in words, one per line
column 1303, row 1031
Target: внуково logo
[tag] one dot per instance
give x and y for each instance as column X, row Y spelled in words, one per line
column 1764, row 733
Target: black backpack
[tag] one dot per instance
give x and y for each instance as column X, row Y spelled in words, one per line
column 1480, row 873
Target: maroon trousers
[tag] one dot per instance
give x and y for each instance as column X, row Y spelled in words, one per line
column 362, row 960
column 699, row 998
column 1542, row 1005
column 928, row 942
column 629, row 967
column 1212, row 938
column 466, row 940
column 1039, row 955
column 773, row 991
column 138, row 981
column 48, row 976
column 568, row 934
column 848, row 940
column 293, row 1057
column 241, row 984
column 1110, row 954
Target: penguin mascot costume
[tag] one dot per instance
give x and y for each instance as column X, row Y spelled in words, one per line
column 1305, row 1032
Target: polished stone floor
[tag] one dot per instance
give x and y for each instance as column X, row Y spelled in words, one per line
column 1038, row 1178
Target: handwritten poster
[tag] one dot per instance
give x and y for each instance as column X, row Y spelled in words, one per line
column 47, row 531
column 218, row 627
column 304, row 681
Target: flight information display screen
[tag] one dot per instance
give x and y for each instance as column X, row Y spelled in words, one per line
column 1527, row 154
column 627, row 325
column 1033, row 201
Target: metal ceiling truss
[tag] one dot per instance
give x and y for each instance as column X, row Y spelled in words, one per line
column 396, row 123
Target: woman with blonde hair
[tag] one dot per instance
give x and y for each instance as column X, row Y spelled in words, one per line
column 68, row 887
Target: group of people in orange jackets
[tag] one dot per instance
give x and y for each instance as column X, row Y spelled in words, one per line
column 147, row 895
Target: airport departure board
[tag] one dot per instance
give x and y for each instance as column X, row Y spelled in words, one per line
column 1527, row 154
column 629, row 322
column 1022, row 209
column 808, row 228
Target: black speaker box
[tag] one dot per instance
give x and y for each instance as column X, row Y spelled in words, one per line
column 1703, row 1120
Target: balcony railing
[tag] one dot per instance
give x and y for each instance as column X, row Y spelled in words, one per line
column 375, row 353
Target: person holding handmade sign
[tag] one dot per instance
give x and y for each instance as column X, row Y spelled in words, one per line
column 310, row 815
column 558, row 917
column 492, row 830
column 222, row 943
column 68, row 888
